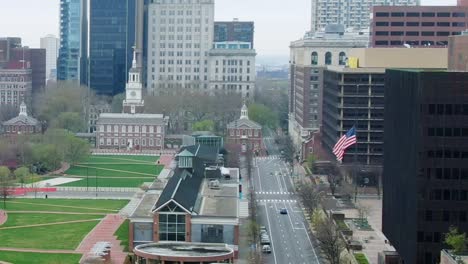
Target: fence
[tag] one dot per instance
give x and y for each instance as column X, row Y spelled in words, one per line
column 99, row 189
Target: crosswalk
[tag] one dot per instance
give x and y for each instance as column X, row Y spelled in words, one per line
column 275, row 201
column 271, row 157
column 283, row 193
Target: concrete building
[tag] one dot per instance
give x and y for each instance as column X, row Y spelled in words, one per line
column 131, row 129
column 15, row 86
column 180, row 35
column 241, row 31
column 425, row 176
column 354, row 95
column 51, row 44
column 72, row 63
column 22, row 124
column 245, row 133
column 199, row 206
column 447, row 257
column 350, row 13
column 232, row 68
column 111, row 37
column 308, row 59
column 458, row 52
column 416, row 26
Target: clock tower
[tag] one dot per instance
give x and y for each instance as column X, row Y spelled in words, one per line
column 133, row 103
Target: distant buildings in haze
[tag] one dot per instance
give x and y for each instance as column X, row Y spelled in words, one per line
column 51, row 44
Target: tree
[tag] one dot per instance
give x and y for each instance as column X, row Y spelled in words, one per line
column 46, row 157
column 456, row 240
column 363, row 212
column 21, row 174
column 263, row 115
column 77, row 149
column 311, row 162
column 329, row 238
column 204, row 125
column 117, row 101
column 71, row 121
column 310, row 197
column 5, row 184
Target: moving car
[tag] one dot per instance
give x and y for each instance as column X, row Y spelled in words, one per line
column 266, row 249
column 283, row 211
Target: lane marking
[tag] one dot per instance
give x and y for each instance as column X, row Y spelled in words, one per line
column 259, row 178
column 269, row 231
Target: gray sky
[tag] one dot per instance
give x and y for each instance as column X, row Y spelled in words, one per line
column 277, row 22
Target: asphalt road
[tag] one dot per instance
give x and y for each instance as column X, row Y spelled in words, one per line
column 290, row 240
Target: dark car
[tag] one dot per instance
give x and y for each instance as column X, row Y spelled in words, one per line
column 283, row 211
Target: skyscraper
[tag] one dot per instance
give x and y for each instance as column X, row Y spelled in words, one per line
column 180, row 34
column 73, row 51
column 112, row 35
column 51, row 44
column 350, row 13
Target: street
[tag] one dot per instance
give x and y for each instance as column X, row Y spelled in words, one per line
column 274, row 190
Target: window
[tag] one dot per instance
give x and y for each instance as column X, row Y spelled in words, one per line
column 314, row 59
column 381, row 43
column 398, row 24
column 398, row 14
column 171, row 226
column 381, row 24
column 443, row 24
column 427, row 33
column 427, row 24
column 382, row 14
column 458, row 14
column 342, row 58
column 397, row 33
column 428, row 14
column 412, row 24
column 381, row 33
column 412, row 33
column 412, row 14
column 328, row 58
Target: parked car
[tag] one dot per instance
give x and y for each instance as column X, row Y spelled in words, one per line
column 265, row 241
column 283, row 211
column 266, row 249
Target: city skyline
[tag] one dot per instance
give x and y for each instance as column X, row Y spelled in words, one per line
column 292, row 25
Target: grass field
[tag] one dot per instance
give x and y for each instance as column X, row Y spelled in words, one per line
column 23, row 219
column 114, row 171
column 38, row 258
column 65, row 205
column 109, row 182
column 122, row 234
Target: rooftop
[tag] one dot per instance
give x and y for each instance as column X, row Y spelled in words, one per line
column 124, row 118
column 185, row 249
column 143, row 209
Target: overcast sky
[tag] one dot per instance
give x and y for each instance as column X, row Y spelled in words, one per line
column 277, row 22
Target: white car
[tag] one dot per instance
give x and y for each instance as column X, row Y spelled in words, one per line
column 266, row 249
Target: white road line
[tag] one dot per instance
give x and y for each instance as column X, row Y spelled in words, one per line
column 279, row 183
column 311, row 245
column 269, row 228
column 259, row 178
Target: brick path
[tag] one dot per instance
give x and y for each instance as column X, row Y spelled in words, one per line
column 166, row 160
column 3, row 217
column 104, row 232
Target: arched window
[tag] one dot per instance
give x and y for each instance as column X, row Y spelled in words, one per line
column 328, row 58
column 342, row 58
column 314, row 59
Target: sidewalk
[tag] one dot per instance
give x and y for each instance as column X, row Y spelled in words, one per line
column 3, row 217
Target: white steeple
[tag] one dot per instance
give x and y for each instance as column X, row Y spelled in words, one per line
column 244, row 112
column 133, row 102
column 23, row 109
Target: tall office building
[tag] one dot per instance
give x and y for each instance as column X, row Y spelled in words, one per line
column 73, row 51
column 242, row 31
column 111, row 38
column 51, row 44
column 180, row 35
column 425, row 176
column 351, row 13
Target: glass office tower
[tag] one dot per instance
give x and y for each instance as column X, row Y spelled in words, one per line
column 112, row 36
column 73, row 52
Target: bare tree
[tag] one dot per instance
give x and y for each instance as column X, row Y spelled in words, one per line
column 329, row 238
column 363, row 212
column 310, row 197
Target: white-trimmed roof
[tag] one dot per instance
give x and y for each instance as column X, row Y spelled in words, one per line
column 125, row 118
column 244, row 122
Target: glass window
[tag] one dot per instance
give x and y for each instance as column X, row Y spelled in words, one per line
column 328, row 58
column 172, row 226
column 314, row 59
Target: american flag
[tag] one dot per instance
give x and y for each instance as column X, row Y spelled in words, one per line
column 344, row 142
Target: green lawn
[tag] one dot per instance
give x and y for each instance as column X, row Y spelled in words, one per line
column 361, row 258
column 64, row 236
column 38, row 258
column 65, row 205
column 122, row 234
column 22, row 219
column 109, row 182
column 111, row 159
column 116, row 170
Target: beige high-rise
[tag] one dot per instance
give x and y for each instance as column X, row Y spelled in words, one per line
column 350, row 13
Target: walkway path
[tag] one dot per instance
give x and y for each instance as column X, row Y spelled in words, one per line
column 165, row 160
column 3, row 217
column 104, row 232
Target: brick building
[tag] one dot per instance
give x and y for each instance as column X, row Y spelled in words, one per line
column 416, row 26
column 22, row 124
column 458, row 52
column 245, row 132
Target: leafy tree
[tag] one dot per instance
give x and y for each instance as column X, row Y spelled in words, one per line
column 5, row 184
column 117, row 100
column 204, row 125
column 310, row 197
column 71, row 121
column 311, row 162
column 456, row 240
column 77, row 150
column 46, row 157
column 263, row 115
column 21, row 174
